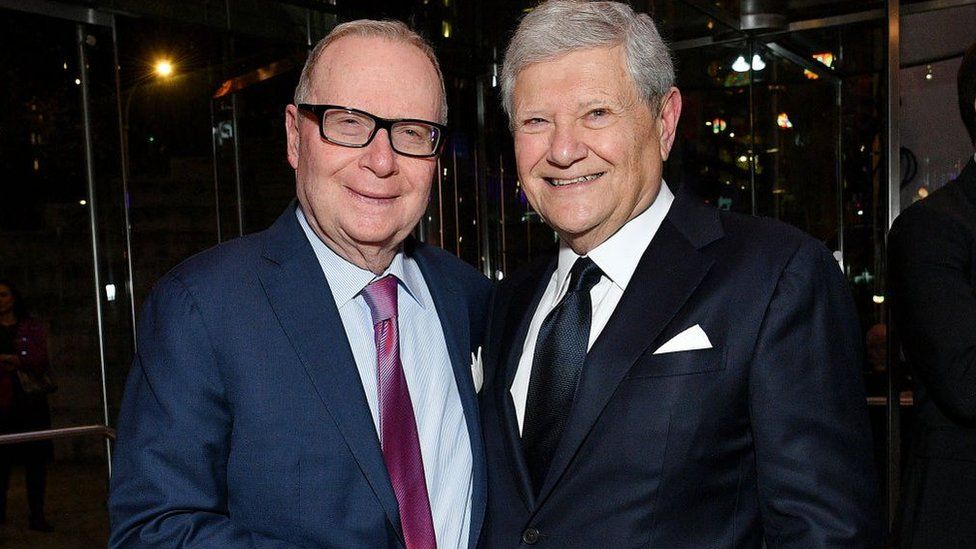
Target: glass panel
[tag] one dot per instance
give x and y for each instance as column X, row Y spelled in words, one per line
column 796, row 132
column 710, row 153
column 45, row 229
column 931, row 51
column 267, row 180
column 46, row 254
column 166, row 121
column 680, row 21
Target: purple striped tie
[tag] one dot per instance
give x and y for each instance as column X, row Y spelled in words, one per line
column 401, row 445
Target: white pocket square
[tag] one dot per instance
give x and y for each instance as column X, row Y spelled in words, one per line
column 477, row 371
column 688, row 340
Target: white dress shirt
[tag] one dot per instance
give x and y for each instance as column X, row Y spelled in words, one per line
column 444, row 443
column 617, row 257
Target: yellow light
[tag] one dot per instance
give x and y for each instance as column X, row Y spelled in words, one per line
column 879, row 299
column 446, row 29
column 826, row 58
column 923, row 192
column 783, row 121
column 163, row 68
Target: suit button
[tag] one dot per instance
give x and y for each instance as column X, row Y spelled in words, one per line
column 530, row 536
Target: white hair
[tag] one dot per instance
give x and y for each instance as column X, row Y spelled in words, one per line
column 558, row 27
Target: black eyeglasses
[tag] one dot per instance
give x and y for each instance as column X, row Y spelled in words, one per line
column 350, row 127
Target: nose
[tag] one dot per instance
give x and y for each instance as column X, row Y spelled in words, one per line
column 379, row 156
column 566, row 148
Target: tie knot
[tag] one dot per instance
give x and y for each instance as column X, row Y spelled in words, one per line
column 381, row 296
column 584, row 275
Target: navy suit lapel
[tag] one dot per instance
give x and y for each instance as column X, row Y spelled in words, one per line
column 668, row 273
column 525, row 297
column 454, row 315
column 299, row 294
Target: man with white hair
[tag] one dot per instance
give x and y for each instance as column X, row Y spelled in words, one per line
column 676, row 376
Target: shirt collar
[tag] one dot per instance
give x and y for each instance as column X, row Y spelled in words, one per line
column 619, row 255
column 347, row 280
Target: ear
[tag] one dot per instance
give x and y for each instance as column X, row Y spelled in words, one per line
column 291, row 130
column 670, row 112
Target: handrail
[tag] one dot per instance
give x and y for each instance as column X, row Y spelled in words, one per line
column 905, row 399
column 64, row 432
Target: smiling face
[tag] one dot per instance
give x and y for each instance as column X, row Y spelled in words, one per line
column 363, row 202
column 589, row 150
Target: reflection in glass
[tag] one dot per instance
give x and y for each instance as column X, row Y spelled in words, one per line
column 25, row 382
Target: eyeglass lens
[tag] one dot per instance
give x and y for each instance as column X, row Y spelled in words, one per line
column 356, row 129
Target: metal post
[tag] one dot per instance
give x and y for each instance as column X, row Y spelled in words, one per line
column 93, row 222
column 124, row 148
column 892, row 127
column 237, row 165
column 457, row 203
column 501, row 196
column 752, row 131
column 481, row 191
column 440, row 205
column 894, row 207
column 839, row 171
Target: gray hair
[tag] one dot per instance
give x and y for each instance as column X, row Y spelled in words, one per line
column 558, row 27
column 395, row 31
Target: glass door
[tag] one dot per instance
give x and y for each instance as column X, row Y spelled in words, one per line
column 64, row 301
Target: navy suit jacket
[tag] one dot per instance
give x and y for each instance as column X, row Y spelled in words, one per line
column 763, row 438
column 244, row 421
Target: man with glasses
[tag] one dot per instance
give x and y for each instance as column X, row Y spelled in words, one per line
column 311, row 385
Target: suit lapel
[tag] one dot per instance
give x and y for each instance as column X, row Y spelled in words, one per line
column 525, row 296
column 452, row 310
column 668, row 273
column 299, row 294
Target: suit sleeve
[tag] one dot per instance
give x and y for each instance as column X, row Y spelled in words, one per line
column 935, row 306
column 169, row 478
column 817, row 483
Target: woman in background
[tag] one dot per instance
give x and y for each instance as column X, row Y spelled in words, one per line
column 25, row 382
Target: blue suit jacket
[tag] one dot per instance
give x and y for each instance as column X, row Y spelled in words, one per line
column 244, row 421
column 761, row 439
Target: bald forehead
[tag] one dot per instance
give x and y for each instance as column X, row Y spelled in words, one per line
column 392, row 79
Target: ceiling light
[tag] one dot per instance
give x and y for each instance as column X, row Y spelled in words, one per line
column 757, row 63
column 740, row 64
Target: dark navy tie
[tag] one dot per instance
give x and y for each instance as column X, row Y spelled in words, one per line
column 556, row 365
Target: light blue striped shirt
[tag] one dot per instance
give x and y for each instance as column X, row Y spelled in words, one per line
column 444, row 443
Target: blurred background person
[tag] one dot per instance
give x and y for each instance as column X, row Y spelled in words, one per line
column 25, row 382
column 932, row 269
